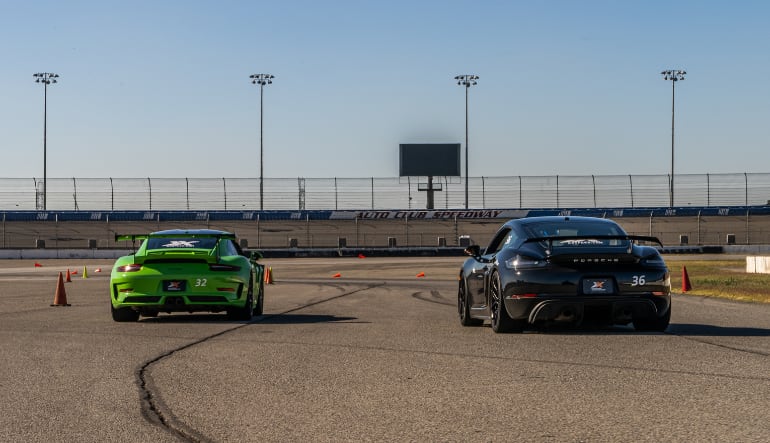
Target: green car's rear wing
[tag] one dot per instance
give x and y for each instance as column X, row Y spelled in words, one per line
column 134, row 237
column 130, row 237
column 177, row 234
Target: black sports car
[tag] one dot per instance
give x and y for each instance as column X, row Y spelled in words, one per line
column 546, row 270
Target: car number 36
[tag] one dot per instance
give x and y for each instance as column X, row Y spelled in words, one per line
column 638, row 280
column 201, row 282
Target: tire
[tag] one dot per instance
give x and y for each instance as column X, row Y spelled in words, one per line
column 501, row 321
column 464, row 305
column 656, row 324
column 244, row 313
column 259, row 308
column 124, row 314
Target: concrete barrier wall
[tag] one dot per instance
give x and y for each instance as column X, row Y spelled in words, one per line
column 318, row 229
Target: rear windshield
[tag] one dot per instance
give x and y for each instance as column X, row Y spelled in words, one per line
column 181, row 243
column 577, row 229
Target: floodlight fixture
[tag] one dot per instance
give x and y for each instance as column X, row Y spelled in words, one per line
column 261, row 80
column 466, row 80
column 46, row 78
column 672, row 75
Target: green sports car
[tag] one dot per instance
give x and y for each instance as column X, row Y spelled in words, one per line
column 186, row 271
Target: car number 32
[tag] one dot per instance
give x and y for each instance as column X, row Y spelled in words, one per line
column 638, row 280
column 201, row 282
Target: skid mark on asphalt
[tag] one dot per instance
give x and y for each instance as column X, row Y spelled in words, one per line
column 154, row 409
column 435, row 297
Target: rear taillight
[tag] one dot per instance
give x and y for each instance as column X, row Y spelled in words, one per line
column 224, row 268
column 129, row 268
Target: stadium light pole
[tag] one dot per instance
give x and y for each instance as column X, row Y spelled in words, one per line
column 46, row 78
column 466, row 80
column 261, row 80
column 674, row 75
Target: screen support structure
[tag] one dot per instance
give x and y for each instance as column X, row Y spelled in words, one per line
column 430, row 189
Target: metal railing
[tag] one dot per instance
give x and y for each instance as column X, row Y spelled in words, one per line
column 592, row 191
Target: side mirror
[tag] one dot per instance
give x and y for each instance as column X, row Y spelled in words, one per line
column 255, row 255
column 473, row 251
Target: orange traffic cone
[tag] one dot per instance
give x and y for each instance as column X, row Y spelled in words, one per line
column 686, row 286
column 60, row 298
column 421, row 274
column 361, row 256
column 69, row 277
column 38, row 265
column 337, row 275
column 269, row 275
column 98, row 270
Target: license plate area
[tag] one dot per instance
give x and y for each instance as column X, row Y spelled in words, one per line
column 598, row 285
column 174, row 285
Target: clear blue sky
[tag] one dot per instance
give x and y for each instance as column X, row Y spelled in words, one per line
column 161, row 88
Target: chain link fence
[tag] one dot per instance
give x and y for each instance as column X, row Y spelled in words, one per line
column 209, row 194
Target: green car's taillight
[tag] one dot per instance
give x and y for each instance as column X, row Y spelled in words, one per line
column 129, row 268
column 224, row 268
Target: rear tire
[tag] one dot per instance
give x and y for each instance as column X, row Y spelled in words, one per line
column 244, row 313
column 124, row 314
column 656, row 324
column 501, row 321
column 261, row 300
column 464, row 305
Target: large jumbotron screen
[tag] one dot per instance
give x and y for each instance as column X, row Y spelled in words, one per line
column 429, row 159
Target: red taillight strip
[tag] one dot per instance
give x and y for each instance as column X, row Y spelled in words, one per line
column 133, row 267
column 217, row 267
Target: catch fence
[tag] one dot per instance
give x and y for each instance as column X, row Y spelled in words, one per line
column 210, row 194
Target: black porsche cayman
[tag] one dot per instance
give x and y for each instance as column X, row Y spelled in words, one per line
column 545, row 270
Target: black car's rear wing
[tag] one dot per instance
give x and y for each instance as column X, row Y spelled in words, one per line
column 585, row 239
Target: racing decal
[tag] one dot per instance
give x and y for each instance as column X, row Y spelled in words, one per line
column 581, row 242
column 180, row 244
column 174, row 285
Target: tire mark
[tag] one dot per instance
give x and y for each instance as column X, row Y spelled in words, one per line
column 157, row 412
column 434, row 298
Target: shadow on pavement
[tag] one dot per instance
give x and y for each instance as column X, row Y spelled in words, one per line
column 305, row 319
column 716, row 331
column 262, row 319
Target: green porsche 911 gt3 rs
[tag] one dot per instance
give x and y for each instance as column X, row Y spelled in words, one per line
column 186, row 271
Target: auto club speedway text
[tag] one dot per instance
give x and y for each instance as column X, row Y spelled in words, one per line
column 429, row 214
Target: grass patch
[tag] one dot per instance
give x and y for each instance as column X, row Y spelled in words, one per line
column 721, row 278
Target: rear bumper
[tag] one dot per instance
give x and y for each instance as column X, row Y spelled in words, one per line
column 612, row 309
column 178, row 301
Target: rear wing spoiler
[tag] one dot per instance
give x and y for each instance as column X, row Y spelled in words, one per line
column 550, row 239
column 135, row 237
column 130, row 237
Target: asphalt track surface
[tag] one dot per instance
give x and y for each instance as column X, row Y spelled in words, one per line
column 377, row 354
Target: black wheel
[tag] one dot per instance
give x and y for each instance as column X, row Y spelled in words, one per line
column 501, row 322
column 656, row 324
column 464, row 305
column 124, row 314
column 259, row 308
column 244, row 313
